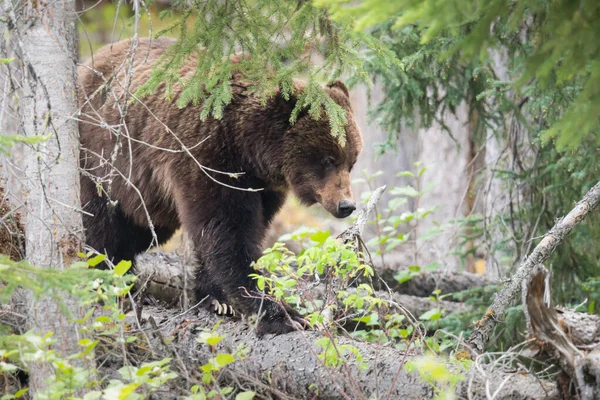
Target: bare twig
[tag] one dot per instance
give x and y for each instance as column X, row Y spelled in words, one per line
column 352, row 234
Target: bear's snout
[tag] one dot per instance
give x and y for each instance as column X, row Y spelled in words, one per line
column 345, row 208
column 335, row 194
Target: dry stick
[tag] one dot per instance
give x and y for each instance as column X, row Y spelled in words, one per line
column 353, row 234
column 511, row 290
column 355, row 231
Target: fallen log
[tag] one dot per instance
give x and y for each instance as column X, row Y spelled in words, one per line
column 425, row 283
column 569, row 339
column 166, row 278
column 289, row 365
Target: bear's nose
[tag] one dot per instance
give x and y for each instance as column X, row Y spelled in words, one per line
column 345, row 208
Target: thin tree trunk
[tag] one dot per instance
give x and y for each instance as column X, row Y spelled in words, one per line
column 11, row 229
column 46, row 36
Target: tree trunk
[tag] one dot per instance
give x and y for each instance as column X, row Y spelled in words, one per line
column 11, row 165
column 46, row 36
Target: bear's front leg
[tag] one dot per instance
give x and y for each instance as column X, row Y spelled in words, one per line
column 227, row 239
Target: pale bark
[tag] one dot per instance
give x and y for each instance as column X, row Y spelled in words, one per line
column 11, row 229
column 354, row 233
column 446, row 158
column 511, row 290
column 46, row 35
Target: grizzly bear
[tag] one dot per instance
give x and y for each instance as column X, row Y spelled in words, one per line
column 154, row 167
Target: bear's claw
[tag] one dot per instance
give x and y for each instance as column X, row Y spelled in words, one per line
column 222, row 309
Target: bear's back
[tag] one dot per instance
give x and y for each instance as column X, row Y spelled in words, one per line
column 113, row 61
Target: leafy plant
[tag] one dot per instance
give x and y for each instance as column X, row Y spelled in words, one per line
column 438, row 374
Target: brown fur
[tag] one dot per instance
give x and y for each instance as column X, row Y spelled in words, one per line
column 226, row 225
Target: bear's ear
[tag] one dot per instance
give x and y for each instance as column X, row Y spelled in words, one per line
column 340, row 85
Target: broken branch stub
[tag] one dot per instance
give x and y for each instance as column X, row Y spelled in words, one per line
column 355, row 231
column 569, row 338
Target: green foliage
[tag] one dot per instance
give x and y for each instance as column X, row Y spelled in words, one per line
column 438, row 374
column 216, row 363
column 7, row 141
column 396, row 225
column 77, row 372
column 87, row 285
column 592, row 288
column 537, row 29
column 510, row 64
column 279, row 38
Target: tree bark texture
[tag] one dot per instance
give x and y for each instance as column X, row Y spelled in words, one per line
column 12, row 235
column 511, row 290
column 290, row 365
column 46, row 36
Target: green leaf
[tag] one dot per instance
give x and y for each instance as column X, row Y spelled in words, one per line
column 122, row 267
column 406, row 173
column 210, row 338
column 214, row 340
column 21, row 393
column 320, row 237
column 432, row 315
column 403, row 276
column 94, row 395
column 224, row 359
column 404, row 191
column 96, row 260
column 245, row 395
column 6, row 60
column 6, row 367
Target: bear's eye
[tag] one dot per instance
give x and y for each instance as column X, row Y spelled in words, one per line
column 329, row 161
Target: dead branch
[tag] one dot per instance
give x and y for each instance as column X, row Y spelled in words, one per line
column 354, row 233
column 542, row 251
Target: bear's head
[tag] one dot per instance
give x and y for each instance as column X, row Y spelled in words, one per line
column 316, row 166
